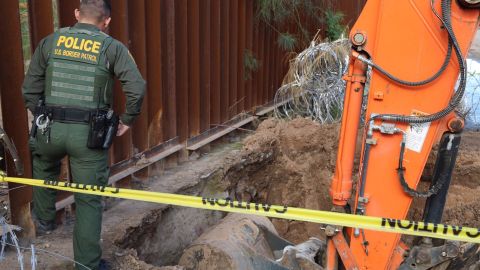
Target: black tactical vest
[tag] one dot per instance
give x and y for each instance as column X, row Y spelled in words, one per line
column 77, row 73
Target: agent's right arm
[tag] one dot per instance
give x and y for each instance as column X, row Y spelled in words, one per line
column 34, row 83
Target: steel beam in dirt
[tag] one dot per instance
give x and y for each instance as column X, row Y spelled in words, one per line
column 156, row 119
column 215, row 63
column 205, row 64
column 40, row 19
column 14, row 114
column 266, row 63
column 181, row 55
column 249, row 33
column 119, row 29
column 260, row 56
column 280, row 55
column 225, row 60
column 241, row 97
column 138, row 47
column 233, row 55
column 193, row 21
column 272, row 63
column 169, row 70
column 255, row 74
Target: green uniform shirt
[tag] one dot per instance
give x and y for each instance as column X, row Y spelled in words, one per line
column 120, row 62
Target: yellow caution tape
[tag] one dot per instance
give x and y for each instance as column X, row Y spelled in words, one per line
column 450, row 232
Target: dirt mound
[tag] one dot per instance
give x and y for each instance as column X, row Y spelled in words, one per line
column 467, row 168
column 287, row 162
column 130, row 260
column 463, row 206
column 292, row 162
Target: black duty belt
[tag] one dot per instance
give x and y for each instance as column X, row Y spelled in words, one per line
column 67, row 114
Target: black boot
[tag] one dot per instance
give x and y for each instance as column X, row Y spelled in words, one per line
column 43, row 227
column 104, row 265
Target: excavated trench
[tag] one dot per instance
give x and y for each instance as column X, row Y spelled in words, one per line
column 284, row 163
column 164, row 233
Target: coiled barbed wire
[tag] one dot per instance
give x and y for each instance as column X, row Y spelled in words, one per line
column 313, row 86
column 8, row 233
column 471, row 101
column 9, row 238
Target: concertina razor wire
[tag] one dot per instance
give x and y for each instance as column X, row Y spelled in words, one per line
column 313, row 86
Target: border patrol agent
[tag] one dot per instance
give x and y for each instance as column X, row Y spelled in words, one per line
column 71, row 74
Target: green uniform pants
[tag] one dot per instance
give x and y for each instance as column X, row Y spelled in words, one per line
column 88, row 167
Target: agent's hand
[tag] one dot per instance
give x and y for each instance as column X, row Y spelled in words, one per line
column 122, row 129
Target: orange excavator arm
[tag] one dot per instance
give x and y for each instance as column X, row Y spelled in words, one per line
column 416, row 51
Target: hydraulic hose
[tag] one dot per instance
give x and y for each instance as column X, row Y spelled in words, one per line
column 454, row 101
column 445, row 14
column 456, row 98
column 412, row 192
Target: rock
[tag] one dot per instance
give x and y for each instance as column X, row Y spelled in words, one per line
column 302, row 256
column 244, row 242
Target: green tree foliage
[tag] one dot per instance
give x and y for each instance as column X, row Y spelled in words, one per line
column 276, row 13
column 24, row 22
column 23, row 7
column 286, row 41
column 335, row 28
column 250, row 64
